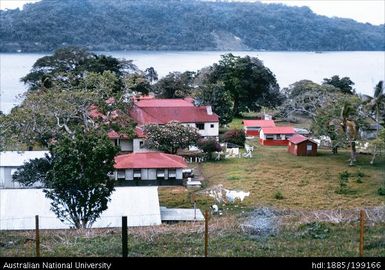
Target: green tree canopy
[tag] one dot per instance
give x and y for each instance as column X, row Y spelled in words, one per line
column 219, row 99
column 175, row 85
column 250, row 84
column 170, row 137
column 345, row 84
column 75, row 177
column 67, row 67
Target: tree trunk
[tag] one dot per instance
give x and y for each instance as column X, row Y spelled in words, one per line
column 374, row 155
column 353, row 153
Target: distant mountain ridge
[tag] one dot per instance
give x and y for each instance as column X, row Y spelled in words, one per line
column 180, row 25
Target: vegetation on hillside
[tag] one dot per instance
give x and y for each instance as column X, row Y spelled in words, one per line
column 179, row 25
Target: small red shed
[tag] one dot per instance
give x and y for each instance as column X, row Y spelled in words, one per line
column 302, row 146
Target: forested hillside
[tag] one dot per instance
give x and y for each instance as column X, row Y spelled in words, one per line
column 179, row 25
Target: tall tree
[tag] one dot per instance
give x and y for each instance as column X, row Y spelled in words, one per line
column 306, row 97
column 376, row 107
column 68, row 66
column 249, row 82
column 175, row 85
column 75, row 177
column 219, row 99
column 345, row 84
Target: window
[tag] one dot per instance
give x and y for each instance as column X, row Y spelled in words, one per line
column 121, row 174
column 116, row 142
column 141, row 144
column 200, row 126
column 211, row 125
column 309, row 147
column 172, row 173
column 269, row 137
column 160, row 174
column 137, row 173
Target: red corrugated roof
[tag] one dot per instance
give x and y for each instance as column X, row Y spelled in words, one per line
column 149, row 160
column 163, row 115
column 112, row 134
column 297, row 138
column 156, row 102
column 278, row 130
column 139, row 132
column 259, row 123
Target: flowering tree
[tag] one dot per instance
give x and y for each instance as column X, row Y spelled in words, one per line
column 170, row 137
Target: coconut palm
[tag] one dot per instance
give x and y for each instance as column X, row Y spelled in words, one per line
column 376, row 105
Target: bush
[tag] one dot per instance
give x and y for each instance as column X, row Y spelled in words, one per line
column 315, row 230
column 278, row 195
column 381, row 191
column 209, row 145
column 235, row 136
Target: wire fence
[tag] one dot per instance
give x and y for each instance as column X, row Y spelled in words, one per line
column 318, row 233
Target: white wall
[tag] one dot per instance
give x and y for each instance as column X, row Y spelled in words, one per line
column 18, row 208
column 208, row 131
column 150, row 174
column 126, row 145
column 136, row 143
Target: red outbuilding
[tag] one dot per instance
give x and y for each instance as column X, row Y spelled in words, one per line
column 253, row 127
column 276, row 136
column 302, row 146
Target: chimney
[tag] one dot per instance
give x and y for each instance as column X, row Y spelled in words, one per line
column 209, row 110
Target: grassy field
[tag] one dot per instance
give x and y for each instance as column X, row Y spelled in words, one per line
column 304, row 182
column 226, row 238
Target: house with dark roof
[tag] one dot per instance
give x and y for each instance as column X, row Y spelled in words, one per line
column 162, row 111
column 276, row 136
column 301, row 146
column 149, row 168
column 253, row 127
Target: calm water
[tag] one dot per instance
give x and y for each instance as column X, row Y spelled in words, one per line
column 364, row 68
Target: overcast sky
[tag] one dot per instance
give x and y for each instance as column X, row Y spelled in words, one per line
column 372, row 11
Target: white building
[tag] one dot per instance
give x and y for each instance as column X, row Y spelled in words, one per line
column 10, row 161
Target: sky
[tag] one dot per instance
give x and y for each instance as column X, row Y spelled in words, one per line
column 371, row 11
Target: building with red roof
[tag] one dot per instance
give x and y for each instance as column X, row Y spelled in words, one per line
column 162, row 111
column 253, row 127
column 276, row 136
column 161, row 168
column 301, row 146
column 127, row 144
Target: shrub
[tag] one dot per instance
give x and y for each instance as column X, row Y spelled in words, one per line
column 315, row 230
column 235, row 136
column 209, row 145
column 381, row 191
column 278, row 195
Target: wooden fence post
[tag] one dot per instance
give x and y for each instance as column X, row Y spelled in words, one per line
column 206, row 231
column 37, row 236
column 362, row 224
column 124, row 237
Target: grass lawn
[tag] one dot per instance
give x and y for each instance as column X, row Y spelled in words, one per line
column 183, row 240
column 304, row 182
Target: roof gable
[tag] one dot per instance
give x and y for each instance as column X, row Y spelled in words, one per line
column 278, row 130
column 163, row 115
column 297, row 139
column 149, row 160
column 258, row 123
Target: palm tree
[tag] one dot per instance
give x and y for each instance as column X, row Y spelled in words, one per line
column 376, row 104
column 350, row 128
